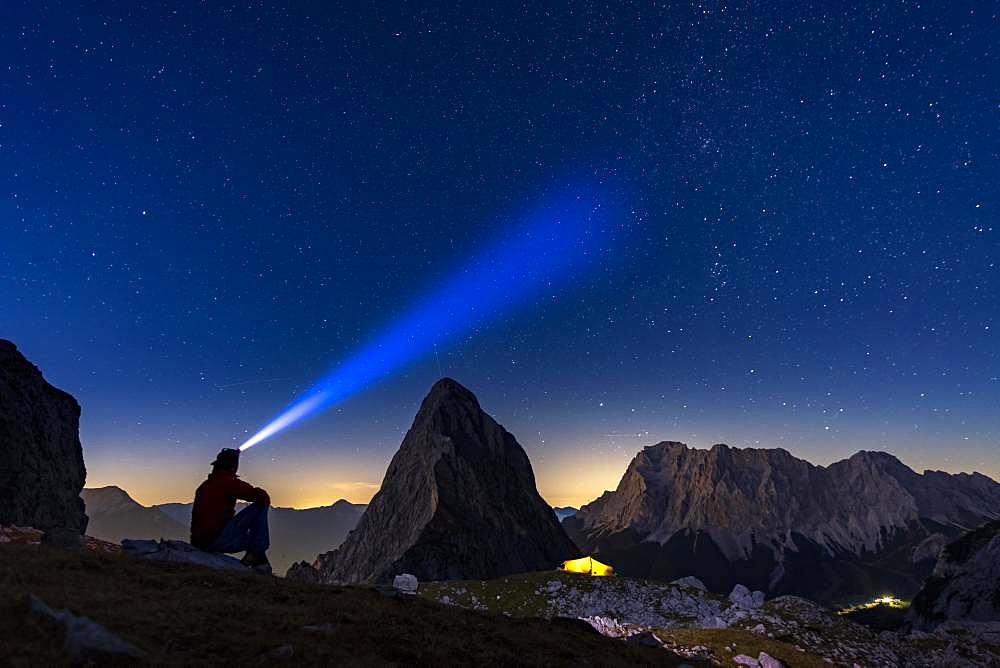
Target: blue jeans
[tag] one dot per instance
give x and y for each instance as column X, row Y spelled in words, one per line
column 246, row 532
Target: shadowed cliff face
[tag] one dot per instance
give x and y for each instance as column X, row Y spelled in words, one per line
column 41, row 461
column 458, row 502
column 779, row 522
column 965, row 585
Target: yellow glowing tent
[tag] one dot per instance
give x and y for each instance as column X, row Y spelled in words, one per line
column 587, row 565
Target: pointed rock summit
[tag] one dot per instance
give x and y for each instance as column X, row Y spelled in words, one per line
column 458, row 502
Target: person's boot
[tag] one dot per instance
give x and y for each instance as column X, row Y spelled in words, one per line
column 256, row 562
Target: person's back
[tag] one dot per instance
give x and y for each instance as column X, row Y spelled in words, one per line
column 215, row 525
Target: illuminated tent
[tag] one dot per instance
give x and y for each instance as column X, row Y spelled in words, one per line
column 587, row 565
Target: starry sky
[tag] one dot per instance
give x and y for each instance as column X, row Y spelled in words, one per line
column 206, row 205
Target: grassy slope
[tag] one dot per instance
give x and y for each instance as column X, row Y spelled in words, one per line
column 185, row 615
column 725, row 643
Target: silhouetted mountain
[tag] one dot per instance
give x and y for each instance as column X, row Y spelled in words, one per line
column 115, row 515
column 775, row 522
column 295, row 534
column 458, row 501
column 41, row 460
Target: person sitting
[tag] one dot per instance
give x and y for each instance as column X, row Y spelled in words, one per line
column 215, row 524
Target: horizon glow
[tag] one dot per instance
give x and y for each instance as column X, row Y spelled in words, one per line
column 558, row 236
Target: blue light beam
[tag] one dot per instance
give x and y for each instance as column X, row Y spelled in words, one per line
column 546, row 247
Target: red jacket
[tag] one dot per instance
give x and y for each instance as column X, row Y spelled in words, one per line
column 215, row 504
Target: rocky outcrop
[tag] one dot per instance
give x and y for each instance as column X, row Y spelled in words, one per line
column 405, row 583
column 31, row 536
column 458, row 502
column 965, row 585
column 41, row 460
column 84, row 642
column 764, row 517
column 179, row 552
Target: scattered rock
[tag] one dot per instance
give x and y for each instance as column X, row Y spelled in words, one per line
column 405, row 583
column 83, row 640
column 759, row 629
column 553, row 586
column 20, row 535
column 607, row 626
column 763, row 660
column 690, row 581
column 742, row 597
column 99, row 546
column 767, row 661
column 16, row 535
column 177, row 551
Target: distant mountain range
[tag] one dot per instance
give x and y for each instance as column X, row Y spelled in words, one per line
column 758, row 517
column 295, row 534
column 115, row 515
column 562, row 512
column 769, row 520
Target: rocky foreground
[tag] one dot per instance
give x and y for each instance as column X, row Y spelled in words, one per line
column 121, row 610
column 165, row 601
column 685, row 618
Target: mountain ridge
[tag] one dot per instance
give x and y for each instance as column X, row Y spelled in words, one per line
column 771, row 516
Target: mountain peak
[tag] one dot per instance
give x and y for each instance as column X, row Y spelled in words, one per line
column 875, row 456
column 448, row 392
column 458, row 501
column 109, row 497
column 108, row 490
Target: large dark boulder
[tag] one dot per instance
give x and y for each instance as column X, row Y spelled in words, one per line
column 458, row 502
column 41, row 461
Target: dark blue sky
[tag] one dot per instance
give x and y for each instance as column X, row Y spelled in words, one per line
column 206, row 206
